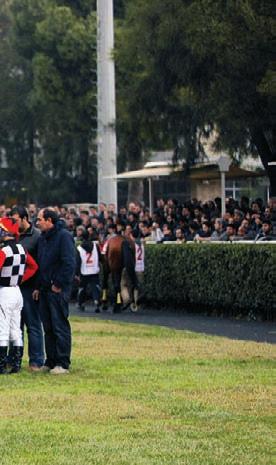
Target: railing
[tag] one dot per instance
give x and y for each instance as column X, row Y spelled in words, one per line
column 210, row 242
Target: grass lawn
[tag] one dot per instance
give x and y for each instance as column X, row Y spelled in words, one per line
column 143, row 395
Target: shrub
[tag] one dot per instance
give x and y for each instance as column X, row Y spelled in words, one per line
column 236, row 277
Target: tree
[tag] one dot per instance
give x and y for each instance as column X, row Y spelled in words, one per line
column 54, row 48
column 16, row 142
column 203, row 65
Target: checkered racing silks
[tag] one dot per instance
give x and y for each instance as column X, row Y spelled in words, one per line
column 13, row 268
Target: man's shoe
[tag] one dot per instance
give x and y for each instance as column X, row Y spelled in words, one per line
column 37, row 369
column 58, row 370
column 45, row 369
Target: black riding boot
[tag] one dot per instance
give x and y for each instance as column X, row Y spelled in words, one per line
column 3, row 360
column 17, row 354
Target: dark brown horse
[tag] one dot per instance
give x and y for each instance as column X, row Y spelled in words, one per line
column 120, row 254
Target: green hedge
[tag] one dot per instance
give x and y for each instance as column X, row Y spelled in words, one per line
column 239, row 278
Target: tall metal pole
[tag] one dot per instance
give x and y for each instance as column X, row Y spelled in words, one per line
column 151, row 196
column 107, row 163
column 224, row 163
column 222, row 182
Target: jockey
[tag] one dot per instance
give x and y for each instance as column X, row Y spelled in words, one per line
column 16, row 266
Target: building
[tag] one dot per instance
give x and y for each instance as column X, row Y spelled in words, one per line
column 163, row 178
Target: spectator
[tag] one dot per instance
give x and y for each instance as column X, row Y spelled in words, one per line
column 79, row 232
column 266, row 232
column 2, row 210
column 229, row 234
column 32, row 209
column 157, row 234
column 167, row 234
column 204, row 233
column 237, row 218
column 193, row 230
column 28, row 238
column 256, row 222
column 218, row 230
column 249, row 234
column 84, row 216
column 179, row 236
column 146, row 232
column 57, row 261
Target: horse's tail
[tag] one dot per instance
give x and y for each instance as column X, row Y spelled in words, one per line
column 128, row 254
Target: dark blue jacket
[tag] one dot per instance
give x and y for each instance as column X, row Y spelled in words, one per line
column 56, row 257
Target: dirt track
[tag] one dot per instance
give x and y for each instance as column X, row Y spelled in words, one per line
column 234, row 329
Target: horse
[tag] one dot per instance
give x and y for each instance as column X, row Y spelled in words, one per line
column 120, row 254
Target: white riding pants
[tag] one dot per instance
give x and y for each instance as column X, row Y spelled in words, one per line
column 11, row 304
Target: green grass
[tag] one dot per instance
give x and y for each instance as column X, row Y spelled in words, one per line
column 139, row 395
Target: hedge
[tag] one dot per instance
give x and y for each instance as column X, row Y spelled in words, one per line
column 239, row 278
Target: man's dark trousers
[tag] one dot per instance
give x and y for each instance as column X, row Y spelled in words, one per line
column 54, row 312
column 30, row 317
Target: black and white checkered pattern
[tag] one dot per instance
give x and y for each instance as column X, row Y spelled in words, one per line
column 12, row 271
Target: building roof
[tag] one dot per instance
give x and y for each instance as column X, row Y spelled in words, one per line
column 149, row 172
column 199, row 171
column 209, row 170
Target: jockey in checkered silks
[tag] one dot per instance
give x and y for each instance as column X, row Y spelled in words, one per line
column 16, row 266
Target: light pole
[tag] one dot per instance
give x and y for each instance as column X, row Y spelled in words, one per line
column 224, row 163
column 272, row 165
column 106, row 140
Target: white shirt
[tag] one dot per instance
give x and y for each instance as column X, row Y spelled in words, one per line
column 139, row 258
column 89, row 260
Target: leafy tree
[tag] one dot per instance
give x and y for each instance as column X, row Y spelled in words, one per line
column 201, row 65
column 16, row 141
column 54, row 48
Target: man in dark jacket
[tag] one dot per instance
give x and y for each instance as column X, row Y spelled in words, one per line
column 266, row 233
column 56, row 259
column 30, row 314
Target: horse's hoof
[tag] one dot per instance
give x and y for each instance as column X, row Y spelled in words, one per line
column 134, row 307
column 104, row 307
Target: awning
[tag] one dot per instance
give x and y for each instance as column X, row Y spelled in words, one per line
column 197, row 172
column 211, row 171
column 147, row 173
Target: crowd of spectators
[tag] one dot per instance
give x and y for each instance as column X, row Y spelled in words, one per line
column 170, row 221
column 71, row 247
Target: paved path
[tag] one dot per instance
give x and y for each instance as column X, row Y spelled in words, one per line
column 234, row 329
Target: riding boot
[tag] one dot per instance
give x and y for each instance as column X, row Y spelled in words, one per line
column 3, row 360
column 17, row 354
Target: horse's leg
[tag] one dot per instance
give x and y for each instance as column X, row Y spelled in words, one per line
column 129, row 263
column 116, row 279
column 106, row 272
column 137, row 293
column 125, row 290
